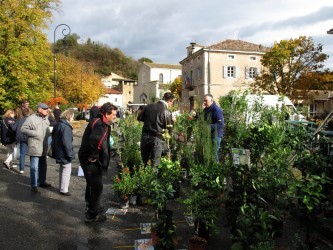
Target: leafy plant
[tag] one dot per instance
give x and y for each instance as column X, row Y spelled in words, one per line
column 128, row 146
column 125, row 184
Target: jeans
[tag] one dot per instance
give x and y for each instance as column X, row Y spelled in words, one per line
column 23, row 152
column 94, row 189
column 64, row 177
column 217, row 142
column 38, row 169
column 151, row 148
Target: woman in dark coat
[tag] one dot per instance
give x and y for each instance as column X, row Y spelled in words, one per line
column 8, row 136
column 21, row 138
column 62, row 146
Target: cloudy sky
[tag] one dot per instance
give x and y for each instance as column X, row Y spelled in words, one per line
column 162, row 29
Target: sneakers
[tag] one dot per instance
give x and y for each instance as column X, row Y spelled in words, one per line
column 45, row 185
column 65, row 194
column 98, row 218
column 21, row 172
column 6, row 165
column 34, row 189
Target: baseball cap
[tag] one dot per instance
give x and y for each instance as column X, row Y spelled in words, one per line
column 42, row 106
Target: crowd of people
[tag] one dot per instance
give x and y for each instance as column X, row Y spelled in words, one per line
column 35, row 132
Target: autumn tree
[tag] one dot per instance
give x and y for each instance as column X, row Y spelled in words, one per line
column 176, row 87
column 25, row 54
column 77, row 82
column 285, row 63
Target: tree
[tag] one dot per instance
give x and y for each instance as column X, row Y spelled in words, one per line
column 285, row 63
column 145, row 59
column 25, row 54
column 77, row 82
column 176, row 87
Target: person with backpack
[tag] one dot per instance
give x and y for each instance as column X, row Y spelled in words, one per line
column 22, row 139
column 94, row 157
column 8, row 136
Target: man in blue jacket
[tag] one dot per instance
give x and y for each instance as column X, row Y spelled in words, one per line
column 214, row 115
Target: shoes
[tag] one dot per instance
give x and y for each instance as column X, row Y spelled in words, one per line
column 21, row 172
column 65, row 194
column 34, row 189
column 98, row 218
column 45, row 185
column 6, row 165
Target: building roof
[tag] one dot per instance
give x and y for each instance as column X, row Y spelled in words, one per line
column 238, row 45
column 114, row 76
column 164, row 66
column 111, row 91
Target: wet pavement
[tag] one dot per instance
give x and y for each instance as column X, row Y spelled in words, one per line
column 48, row 220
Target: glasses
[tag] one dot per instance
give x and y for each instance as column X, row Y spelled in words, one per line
column 45, row 109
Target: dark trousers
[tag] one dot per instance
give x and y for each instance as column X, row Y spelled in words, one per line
column 151, row 149
column 94, row 188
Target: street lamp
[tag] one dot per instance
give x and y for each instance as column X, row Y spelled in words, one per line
column 65, row 32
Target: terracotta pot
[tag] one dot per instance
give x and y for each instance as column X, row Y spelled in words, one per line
column 197, row 243
column 154, row 238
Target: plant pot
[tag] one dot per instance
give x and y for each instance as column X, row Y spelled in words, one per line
column 196, row 243
column 201, row 229
column 132, row 200
column 154, row 238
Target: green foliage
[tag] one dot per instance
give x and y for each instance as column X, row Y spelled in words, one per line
column 125, row 184
column 128, row 146
column 255, row 227
column 285, row 62
column 25, row 55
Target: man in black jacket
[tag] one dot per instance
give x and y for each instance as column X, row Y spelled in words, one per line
column 156, row 117
column 94, row 156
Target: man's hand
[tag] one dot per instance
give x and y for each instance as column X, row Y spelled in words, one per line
column 92, row 159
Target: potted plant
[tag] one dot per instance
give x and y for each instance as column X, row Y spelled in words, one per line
column 125, row 185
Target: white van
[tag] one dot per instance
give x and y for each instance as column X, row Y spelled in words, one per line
column 272, row 101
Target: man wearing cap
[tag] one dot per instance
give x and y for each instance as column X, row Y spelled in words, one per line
column 36, row 127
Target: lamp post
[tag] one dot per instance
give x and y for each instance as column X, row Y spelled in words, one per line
column 65, row 32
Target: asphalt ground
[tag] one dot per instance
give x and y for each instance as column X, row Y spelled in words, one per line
column 48, row 220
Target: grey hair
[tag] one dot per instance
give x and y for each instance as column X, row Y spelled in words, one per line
column 209, row 95
column 67, row 114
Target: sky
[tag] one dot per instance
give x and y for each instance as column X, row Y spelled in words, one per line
column 162, row 29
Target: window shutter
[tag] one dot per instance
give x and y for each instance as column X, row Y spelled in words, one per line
column 236, row 72
column 246, row 72
column 225, row 71
column 258, row 71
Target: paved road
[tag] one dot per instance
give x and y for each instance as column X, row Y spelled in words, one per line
column 47, row 220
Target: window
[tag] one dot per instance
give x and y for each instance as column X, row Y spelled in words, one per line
column 129, row 92
column 198, row 73
column 313, row 109
column 253, row 58
column 231, row 71
column 252, row 72
column 231, row 57
column 198, row 58
column 161, row 78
